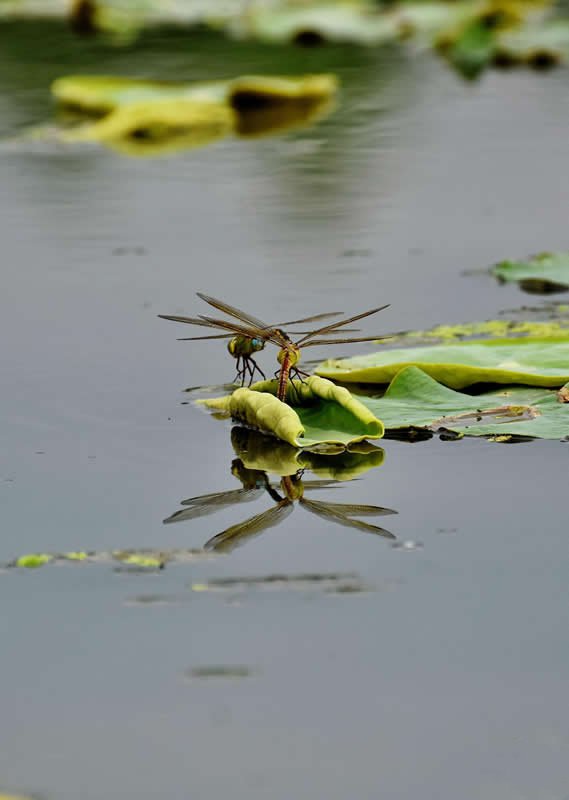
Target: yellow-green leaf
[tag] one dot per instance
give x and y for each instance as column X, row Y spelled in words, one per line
column 320, row 413
column 533, row 362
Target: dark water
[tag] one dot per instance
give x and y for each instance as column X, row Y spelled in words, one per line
column 447, row 675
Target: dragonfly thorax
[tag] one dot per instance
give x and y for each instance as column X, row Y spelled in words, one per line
column 292, row 487
column 240, row 346
column 290, row 355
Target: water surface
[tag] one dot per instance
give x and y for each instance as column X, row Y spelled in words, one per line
column 447, row 676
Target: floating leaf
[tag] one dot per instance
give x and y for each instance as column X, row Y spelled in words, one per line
column 33, row 560
column 75, row 556
column 323, row 413
column 545, row 268
column 539, row 45
column 473, row 50
column 494, row 329
column 413, row 399
column 535, row 362
column 317, row 23
column 142, row 559
column 141, row 117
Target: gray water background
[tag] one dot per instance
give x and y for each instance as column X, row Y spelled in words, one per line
column 449, row 678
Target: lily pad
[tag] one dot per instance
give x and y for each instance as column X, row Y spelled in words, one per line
column 490, row 329
column 533, row 362
column 141, row 117
column 33, row 560
column 323, row 414
column 413, row 399
column 140, row 558
column 538, row 45
column 545, row 268
column 473, row 50
column 351, row 22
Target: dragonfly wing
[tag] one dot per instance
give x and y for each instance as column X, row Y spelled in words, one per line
column 188, row 320
column 316, row 342
column 359, row 510
column 323, row 484
column 236, row 535
column 254, row 322
column 341, row 323
column 212, row 505
column 207, row 322
column 314, row 318
column 223, row 498
column 332, row 515
column 201, row 338
column 267, row 334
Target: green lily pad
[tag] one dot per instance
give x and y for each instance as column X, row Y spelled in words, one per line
column 323, row 414
column 473, row 50
column 413, row 399
column 550, row 268
column 533, row 362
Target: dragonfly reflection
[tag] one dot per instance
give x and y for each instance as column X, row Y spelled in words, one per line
column 260, row 455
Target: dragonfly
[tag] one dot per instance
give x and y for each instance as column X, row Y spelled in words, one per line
column 290, row 490
column 248, row 334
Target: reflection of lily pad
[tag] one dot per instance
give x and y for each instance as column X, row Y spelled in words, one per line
column 534, row 362
column 257, row 451
column 415, row 399
column 260, row 451
column 323, row 413
column 545, row 268
column 146, row 117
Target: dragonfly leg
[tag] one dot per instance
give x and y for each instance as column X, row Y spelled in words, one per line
column 258, row 368
column 298, row 373
column 240, row 377
column 250, row 369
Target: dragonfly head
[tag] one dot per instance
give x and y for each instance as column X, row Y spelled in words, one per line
column 243, row 346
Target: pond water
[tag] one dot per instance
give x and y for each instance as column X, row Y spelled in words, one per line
column 438, row 667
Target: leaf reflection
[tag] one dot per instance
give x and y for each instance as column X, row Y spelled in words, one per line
column 259, row 455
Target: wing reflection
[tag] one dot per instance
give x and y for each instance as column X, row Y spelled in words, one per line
column 257, row 457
